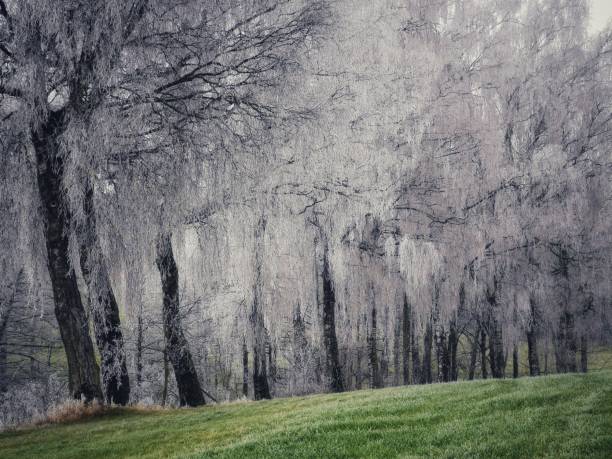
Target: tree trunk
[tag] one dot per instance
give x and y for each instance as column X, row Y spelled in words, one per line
column 5, row 313
column 375, row 377
column 515, row 362
column 359, row 355
column 571, row 344
column 406, row 338
column 427, row 348
column 474, row 355
column 104, row 307
column 271, row 354
column 245, row 369
column 483, row 352
column 139, row 342
column 453, row 343
column 261, row 388
column 565, row 344
column 83, row 370
column 398, row 351
column 584, row 353
column 442, row 358
column 532, row 340
column 532, row 352
column 327, row 296
column 190, row 391
column 166, row 378
column 300, row 348
column 496, row 348
column 416, row 360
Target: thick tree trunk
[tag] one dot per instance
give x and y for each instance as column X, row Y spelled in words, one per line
column 83, row 370
column 261, row 388
column 427, row 349
column 104, row 307
column 375, row 376
column 483, row 352
column 327, row 296
column 515, row 362
column 190, row 391
column 406, row 338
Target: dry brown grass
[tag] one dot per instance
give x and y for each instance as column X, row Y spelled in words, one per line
column 71, row 411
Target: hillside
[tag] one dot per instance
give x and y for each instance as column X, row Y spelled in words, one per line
column 554, row 416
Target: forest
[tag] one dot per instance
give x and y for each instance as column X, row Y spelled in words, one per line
column 207, row 201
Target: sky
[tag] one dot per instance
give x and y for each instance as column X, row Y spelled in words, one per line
column 601, row 13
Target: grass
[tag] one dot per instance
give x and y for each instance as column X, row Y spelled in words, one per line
column 553, row 416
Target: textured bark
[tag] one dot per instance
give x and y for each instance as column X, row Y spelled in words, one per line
column 104, row 307
column 83, row 370
column 406, row 338
column 179, row 355
column 327, row 297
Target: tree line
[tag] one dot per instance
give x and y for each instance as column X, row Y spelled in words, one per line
column 278, row 197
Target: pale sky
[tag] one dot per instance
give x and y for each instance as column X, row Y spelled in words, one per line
column 601, row 13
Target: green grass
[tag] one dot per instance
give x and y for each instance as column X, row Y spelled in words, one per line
column 553, row 416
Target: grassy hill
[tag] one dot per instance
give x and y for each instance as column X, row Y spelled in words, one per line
column 554, row 416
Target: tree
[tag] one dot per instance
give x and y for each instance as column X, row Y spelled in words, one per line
column 154, row 71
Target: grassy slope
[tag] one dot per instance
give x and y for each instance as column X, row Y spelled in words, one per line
column 556, row 416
